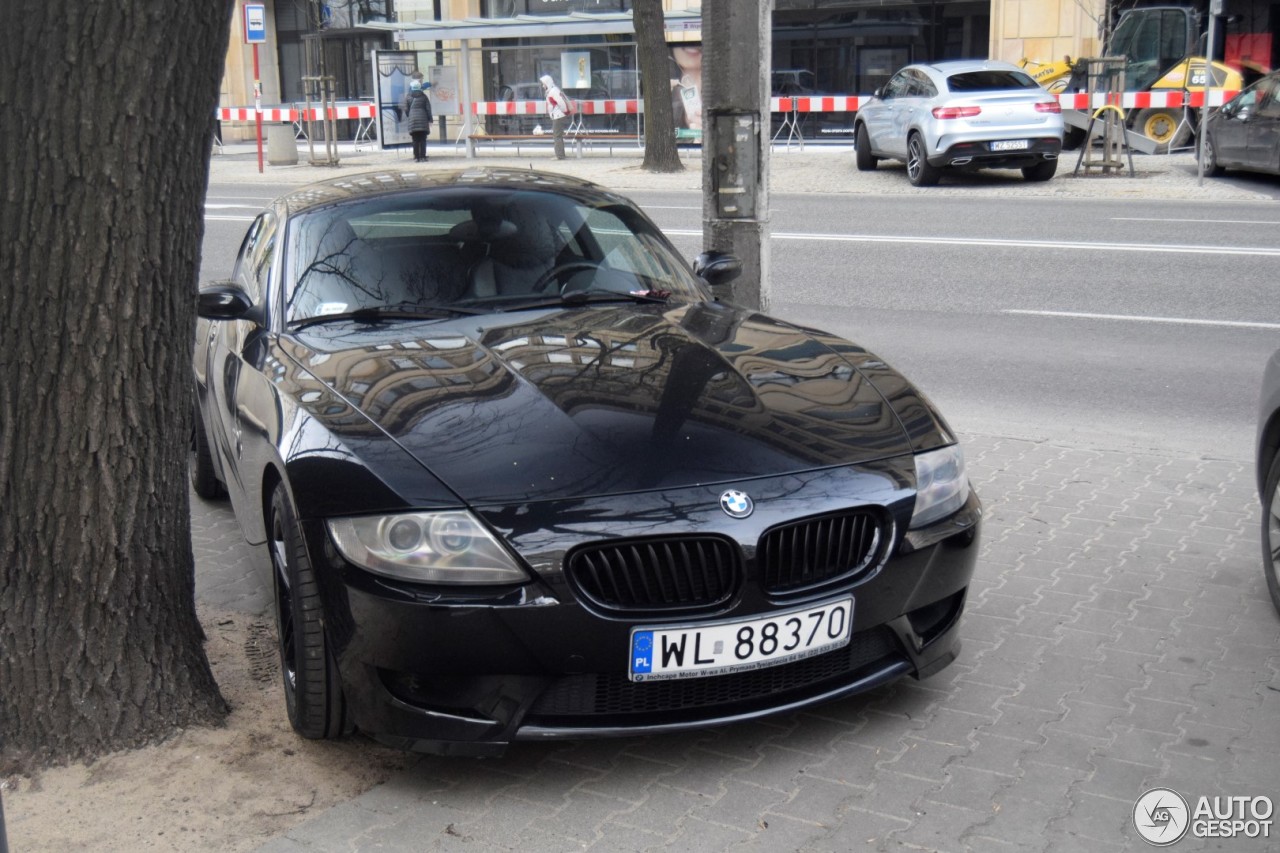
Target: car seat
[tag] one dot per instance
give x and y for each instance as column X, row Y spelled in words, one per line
column 518, row 255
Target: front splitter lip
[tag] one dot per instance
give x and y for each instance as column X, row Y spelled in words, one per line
column 892, row 672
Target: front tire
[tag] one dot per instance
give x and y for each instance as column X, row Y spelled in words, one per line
column 1211, row 166
column 200, row 467
column 919, row 172
column 1165, row 127
column 1271, row 531
column 312, row 687
column 865, row 160
column 1041, row 171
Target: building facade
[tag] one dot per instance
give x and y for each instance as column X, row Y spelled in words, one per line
column 820, row 47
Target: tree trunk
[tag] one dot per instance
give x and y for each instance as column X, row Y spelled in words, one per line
column 109, row 114
column 653, row 56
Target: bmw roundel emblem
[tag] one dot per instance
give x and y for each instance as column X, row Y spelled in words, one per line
column 737, row 504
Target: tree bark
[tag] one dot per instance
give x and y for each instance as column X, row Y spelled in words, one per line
column 653, row 56
column 109, row 115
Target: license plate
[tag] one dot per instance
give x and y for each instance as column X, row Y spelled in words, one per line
column 1010, row 145
column 702, row 649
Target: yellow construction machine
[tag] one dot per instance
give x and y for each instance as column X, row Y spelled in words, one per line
column 1164, row 51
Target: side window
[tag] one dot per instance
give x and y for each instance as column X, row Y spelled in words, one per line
column 897, row 86
column 1269, row 99
column 922, row 86
column 1242, row 105
column 253, row 264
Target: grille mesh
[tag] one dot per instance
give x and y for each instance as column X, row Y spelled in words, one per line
column 681, row 574
column 818, row 550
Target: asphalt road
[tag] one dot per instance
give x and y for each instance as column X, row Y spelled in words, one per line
column 1119, row 324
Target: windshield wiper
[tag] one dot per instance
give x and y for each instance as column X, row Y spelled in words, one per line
column 376, row 313
column 582, row 297
column 594, row 294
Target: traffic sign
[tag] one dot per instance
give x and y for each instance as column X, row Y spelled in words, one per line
column 255, row 23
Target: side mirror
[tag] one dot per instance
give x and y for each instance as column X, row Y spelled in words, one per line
column 225, row 300
column 717, row 267
column 878, row 93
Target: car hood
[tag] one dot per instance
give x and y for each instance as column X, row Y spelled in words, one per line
column 606, row 399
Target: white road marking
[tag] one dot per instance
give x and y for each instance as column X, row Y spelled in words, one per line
column 1137, row 318
column 1158, row 248
column 1199, row 221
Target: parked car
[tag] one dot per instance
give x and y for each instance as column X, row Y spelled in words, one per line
column 1268, row 474
column 516, row 474
column 521, row 124
column 1245, row 133
column 964, row 114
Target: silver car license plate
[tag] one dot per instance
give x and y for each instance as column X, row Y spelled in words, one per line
column 702, row 649
column 1010, row 145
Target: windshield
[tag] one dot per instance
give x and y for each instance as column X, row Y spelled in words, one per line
column 1150, row 40
column 475, row 249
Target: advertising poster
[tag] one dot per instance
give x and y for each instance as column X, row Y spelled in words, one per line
column 392, row 70
column 575, row 69
column 686, row 85
column 444, row 90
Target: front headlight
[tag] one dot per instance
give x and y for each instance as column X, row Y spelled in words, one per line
column 426, row 547
column 941, row 485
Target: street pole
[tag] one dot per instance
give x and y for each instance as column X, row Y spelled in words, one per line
column 257, row 104
column 255, row 33
column 736, row 71
column 1215, row 9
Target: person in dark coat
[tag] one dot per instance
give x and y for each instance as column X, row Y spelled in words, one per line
column 416, row 108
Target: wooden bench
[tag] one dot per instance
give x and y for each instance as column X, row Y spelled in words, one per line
column 580, row 142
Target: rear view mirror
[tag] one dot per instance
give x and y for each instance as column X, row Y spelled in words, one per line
column 717, row 267
column 225, row 300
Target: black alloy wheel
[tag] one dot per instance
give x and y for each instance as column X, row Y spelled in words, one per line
column 1271, row 531
column 865, row 160
column 204, row 476
column 919, row 172
column 312, row 687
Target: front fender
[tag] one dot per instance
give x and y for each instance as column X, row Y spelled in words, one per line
column 332, row 458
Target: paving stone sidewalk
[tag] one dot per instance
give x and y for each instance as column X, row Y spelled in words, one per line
column 1118, row 637
column 816, row 169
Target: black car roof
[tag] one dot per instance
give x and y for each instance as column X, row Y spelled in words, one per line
column 373, row 184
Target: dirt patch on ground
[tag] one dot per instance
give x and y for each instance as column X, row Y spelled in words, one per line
column 226, row 789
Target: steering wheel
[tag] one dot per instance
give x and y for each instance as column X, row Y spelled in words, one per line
column 560, row 270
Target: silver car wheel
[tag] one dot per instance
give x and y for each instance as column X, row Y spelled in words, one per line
column 919, row 172
column 915, row 156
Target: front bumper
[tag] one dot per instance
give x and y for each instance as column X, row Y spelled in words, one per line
column 469, row 672
column 977, row 154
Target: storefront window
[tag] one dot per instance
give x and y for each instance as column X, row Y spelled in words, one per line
column 511, row 8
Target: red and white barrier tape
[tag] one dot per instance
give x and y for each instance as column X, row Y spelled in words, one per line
column 813, row 104
column 1144, row 100
column 342, row 111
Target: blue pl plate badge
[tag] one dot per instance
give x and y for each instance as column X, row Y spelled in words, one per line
column 642, row 652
